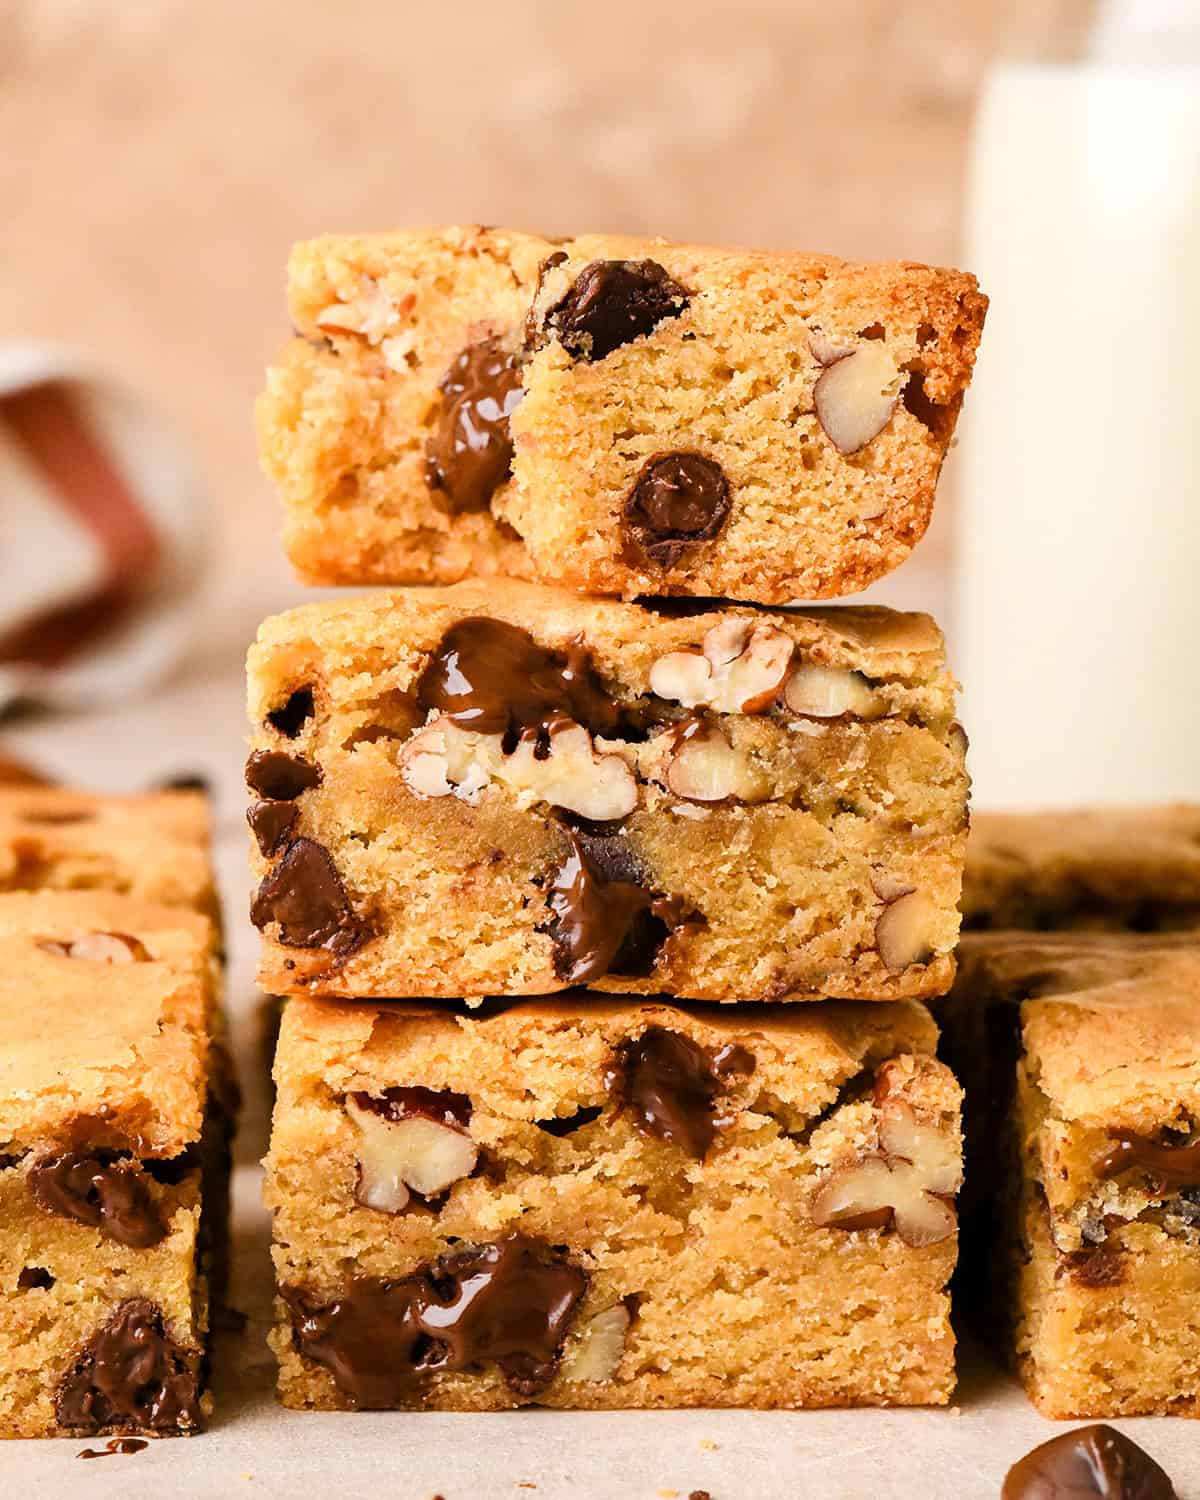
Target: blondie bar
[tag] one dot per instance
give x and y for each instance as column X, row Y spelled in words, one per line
column 1136, row 869
column 115, row 1102
column 1080, row 1056
column 614, row 415
column 505, row 789
column 612, row 1204
column 154, row 846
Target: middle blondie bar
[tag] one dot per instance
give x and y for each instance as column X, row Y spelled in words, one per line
column 511, row 790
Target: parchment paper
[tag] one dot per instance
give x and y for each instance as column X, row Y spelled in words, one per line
column 254, row 1448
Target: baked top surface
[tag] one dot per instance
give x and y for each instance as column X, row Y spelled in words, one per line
column 123, row 1044
column 83, row 818
column 1111, row 1024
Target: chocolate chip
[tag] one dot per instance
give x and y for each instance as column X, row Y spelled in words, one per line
column 186, row 781
column 564, row 1125
column 131, row 1373
column 612, row 302
column 733, row 1058
column 1172, row 1166
column 10, row 1159
column 443, row 1106
column 669, row 1084
column 469, row 453
column 291, row 718
column 279, row 776
column 102, row 1191
column 494, row 678
column 34, row 1278
column 603, row 919
column 678, row 500
column 511, row 1303
column 1097, row 1462
column 1098, row 1266
column 305, row 895
column 271, row 823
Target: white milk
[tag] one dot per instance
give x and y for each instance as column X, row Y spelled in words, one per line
column 1078, row 551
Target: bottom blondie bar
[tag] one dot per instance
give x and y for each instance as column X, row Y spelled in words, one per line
column 114, row 1119
column 612, row 1205
column 1080, row 1056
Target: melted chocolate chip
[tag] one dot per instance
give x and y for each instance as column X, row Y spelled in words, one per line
column 1091, row 1463
column 733, row 1058
column 564, row 1125
column 469, row 453
column 305, row 895
column 1098, row 1266
column 511, row 1303
column 604, row 921
column 669, row 1083
column 186, row 781
column 493, row 678
column 114, row 1447
column 271, row 823
column 101, row 1191
column 34, row 1278
column 131, row 1373
column 10, row 1159
column 295, row 713
column 443, row 1106
column 1173, row 1166
column 279, row 776
column 612, row 302
column 678, row 500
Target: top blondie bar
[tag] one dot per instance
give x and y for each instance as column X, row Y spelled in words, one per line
column 612, row 415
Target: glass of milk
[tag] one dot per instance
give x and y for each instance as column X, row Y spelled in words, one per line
column 1077, row 564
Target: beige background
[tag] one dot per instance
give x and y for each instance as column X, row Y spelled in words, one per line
column 158, row 157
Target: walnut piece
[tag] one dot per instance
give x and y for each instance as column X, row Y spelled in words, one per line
column 902, row 930
column 564, row 769
column 855, row 396
column 829, row 692
column 905, row 1186
column 597, row 1352
column 702, row 766
column 100, row 948
column 738, row 670
column 371, row 312
column 411, row 1155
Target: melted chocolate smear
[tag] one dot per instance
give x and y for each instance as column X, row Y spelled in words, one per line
column 612, row 302
column 280, row 777
column 271, row 823
column 101, row 1191
column 678, row 500
column 1099, row 1266
column 511, row 1303
column 1173, row 1166
column 305, row 895
column 295, row 713
column 443, row 1106
column 34, row 1279
column 670, row 1084
column 131, row 1373
column 469, row 453
column 114, row 1446
column 1091, row 1463
column 603, row 920
column 493, row 678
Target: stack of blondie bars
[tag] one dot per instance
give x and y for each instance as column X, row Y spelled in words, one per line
column 553, row 840
column 116, row 1108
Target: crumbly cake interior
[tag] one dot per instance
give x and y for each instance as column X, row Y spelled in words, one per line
column 770, row 806
column 623, row 353
column 1079, row 1057
column 662, row 1171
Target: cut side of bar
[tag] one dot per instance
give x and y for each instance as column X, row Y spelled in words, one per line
column 597, row 1203
column 612, row 415
column 116, row 1108
column 503, row 789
